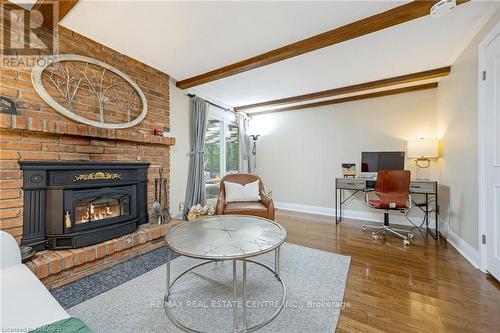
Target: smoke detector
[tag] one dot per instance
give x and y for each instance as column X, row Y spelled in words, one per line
column 442, row 7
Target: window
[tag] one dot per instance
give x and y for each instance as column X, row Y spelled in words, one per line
column 222, row 151
column 232, row 148
column 213, row 150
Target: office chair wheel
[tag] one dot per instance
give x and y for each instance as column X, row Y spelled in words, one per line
column 365, row 228
column 406, row 242
column 410, row 236
column 374, row 237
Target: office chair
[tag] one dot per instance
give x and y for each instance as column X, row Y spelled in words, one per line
column 393, row 191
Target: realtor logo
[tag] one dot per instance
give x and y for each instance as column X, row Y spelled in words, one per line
column 29, row 32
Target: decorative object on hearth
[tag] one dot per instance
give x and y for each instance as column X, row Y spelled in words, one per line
column 163, row 197
column 7, row 106
column 161, row 212
column 348, row 170
column 165, row 211
column 69, row 83
column 156, row 203
column 198, row 211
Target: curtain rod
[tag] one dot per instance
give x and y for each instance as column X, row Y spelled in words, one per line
column 225, row 109
column 193, row 95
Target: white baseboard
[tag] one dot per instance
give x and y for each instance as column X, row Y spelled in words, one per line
column 177, row 215
column 464, row 248
column 372, row 216
column 305, row 208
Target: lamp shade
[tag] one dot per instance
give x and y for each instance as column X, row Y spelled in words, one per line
column 419, row 148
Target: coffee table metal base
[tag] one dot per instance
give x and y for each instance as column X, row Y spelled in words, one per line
column 236, row 328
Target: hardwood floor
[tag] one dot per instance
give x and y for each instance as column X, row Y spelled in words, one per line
column 427, row 287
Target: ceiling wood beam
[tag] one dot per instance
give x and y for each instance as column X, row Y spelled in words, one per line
column 352, row 98
column 408, row 78
column 380, row 21
column 45, row 7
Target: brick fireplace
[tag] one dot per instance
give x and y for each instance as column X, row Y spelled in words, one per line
column 39, row 133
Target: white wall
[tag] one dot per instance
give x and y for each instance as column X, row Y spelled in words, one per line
column 302, row 152
column 457, row 98
column 179, row 154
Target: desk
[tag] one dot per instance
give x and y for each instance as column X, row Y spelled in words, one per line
column 425, row 187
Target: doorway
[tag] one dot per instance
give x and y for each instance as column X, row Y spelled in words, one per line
column 489, row 152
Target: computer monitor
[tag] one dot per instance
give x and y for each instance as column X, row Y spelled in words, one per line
column 372, row 162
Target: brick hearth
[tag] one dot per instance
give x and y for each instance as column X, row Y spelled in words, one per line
column 57, row 268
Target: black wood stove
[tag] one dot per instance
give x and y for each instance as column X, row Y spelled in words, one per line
column 74, row 204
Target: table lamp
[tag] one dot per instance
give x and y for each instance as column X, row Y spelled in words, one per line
column 422, row 150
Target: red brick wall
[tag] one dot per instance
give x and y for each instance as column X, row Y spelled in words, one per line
column 41, row 133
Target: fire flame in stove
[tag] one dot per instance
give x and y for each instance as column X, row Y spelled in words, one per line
column 93, row 213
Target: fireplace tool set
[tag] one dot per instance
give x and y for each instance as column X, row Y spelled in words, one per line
column 161, row 213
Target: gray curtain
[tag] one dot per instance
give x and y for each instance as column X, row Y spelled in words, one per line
column 244, row 139
column 195, row 191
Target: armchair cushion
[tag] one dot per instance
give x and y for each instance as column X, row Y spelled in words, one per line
column 239, row 193
column 244, row 207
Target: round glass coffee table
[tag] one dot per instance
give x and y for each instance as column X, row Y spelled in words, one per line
column 227, row 237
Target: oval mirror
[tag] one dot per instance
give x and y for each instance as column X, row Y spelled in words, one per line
column 89, row 91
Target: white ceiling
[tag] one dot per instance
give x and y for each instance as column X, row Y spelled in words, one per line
column 28, row 4
column 185, row 39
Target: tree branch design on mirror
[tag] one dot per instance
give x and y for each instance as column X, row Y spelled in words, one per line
column 89, row 91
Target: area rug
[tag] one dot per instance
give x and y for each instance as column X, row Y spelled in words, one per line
column 315, row 282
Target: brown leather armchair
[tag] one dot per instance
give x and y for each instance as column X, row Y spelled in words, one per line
column 263, row 208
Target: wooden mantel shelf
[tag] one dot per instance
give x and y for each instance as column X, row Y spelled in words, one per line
column 30, row 124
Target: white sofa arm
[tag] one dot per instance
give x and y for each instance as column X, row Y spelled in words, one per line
column 10, row 254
